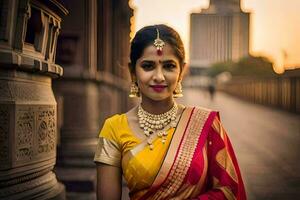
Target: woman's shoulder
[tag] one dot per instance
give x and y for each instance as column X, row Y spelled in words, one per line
column 207, row 115
column 112, row 126
column 115, row 120
column 202, row 109
column 115, row 117
column 211, row 119
column 210, row 116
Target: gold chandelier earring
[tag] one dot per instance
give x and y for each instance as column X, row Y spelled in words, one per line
column 178, row 90
column 134, row 90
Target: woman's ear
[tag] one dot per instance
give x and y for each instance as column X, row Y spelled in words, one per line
column 132, row 74
column 183, row 71
column 133, row 77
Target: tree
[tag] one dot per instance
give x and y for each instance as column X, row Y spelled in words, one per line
column 247, row 66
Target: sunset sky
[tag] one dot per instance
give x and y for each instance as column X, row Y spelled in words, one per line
column 274, row 25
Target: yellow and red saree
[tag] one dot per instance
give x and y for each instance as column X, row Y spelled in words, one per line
column 196, row 162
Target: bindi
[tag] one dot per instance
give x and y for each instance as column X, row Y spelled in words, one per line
column 158, row 43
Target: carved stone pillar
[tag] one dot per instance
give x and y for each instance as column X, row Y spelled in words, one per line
column 28, row 116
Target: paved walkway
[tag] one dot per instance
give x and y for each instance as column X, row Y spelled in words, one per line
column 266, row 142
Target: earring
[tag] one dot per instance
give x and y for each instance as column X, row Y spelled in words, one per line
column 178, row 90
column 134, row 90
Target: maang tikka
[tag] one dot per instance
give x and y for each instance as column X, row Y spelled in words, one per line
column 158, row 43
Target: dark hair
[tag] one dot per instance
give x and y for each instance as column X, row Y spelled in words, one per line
column 146, row 36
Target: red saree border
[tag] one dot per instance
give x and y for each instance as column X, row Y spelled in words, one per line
column 176, row 166
column 201, row 143
column 171, row 154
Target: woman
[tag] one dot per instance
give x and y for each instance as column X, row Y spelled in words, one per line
column 164, row 150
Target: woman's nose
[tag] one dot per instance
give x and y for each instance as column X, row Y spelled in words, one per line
column 158, row 75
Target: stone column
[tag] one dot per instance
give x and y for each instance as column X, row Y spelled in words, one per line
column 78, row 103
column 28, row 116
column 91, row 50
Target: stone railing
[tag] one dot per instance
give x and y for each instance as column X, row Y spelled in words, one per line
column 280, row 92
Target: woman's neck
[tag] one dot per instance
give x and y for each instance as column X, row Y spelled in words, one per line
column 157, row 107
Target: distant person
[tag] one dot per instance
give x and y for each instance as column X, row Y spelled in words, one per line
column 163, row 149
column 211, row 91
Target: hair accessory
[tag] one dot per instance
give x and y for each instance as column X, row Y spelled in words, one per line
column 159, row 124
column 134, row 90
column 178, row 90
column 159, row 43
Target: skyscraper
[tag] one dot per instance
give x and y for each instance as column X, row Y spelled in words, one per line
column 219, row 33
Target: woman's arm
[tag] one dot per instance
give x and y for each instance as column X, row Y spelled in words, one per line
column 109, row 182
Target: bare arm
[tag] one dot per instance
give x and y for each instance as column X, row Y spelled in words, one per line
column 109, row 182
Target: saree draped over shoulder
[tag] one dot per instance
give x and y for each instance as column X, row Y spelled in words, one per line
column 196, row 162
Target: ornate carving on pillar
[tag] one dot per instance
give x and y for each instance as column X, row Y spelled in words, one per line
column 4, row 130
column 29, row 43
column 28, row 130
column 28, row 114
column 35, row 133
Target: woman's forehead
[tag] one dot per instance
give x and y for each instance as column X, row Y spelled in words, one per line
column 150, row 53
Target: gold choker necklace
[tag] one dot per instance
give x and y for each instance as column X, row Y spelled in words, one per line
column 158, row 124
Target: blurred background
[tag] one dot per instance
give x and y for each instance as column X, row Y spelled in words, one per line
column 63, row 71
column 244, row 61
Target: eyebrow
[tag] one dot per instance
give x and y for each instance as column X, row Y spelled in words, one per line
column 164, row 61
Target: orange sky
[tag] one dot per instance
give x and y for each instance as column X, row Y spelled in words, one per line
column 275, row 24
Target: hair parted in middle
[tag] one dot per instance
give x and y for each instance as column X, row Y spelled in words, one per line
column 146, row 36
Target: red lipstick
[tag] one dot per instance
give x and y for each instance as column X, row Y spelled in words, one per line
column 158, row 88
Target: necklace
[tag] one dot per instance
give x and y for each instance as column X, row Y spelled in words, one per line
column 159, row 124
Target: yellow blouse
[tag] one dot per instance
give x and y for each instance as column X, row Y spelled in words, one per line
column 118, row 146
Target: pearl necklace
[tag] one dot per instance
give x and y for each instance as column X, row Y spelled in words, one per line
column 158, row 124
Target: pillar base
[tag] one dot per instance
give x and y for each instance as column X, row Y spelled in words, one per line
column 43, row 187
column 79, row 182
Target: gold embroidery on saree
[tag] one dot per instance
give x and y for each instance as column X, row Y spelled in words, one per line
column 218, row 128
column 188, row 191
column 224, row 160
column 225, row 189
column 185, row 155
column 201, row 182
column 173, row 146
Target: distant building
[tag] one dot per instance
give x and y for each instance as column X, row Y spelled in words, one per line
column 219, row 33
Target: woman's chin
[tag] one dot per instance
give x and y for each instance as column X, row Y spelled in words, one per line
column 158, row 97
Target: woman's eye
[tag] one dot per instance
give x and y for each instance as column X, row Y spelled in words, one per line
column 147, row 66
column 169, row 66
